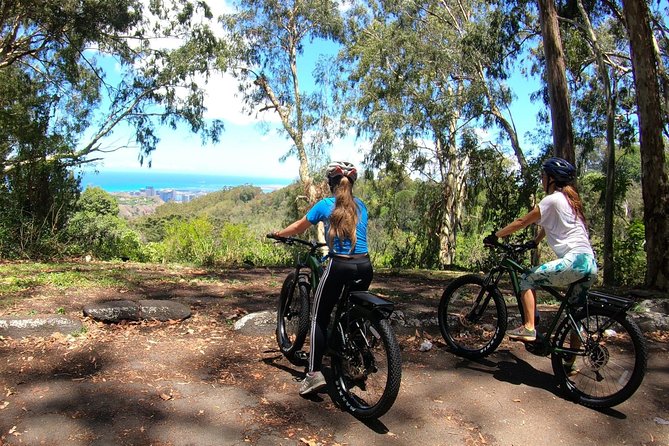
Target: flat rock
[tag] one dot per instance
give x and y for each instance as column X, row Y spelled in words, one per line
column 256, row 323
column 163, row 310
column 38, row 325
column 113, row 311
column 127, row 310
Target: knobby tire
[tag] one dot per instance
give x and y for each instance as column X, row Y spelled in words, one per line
column 292, row 316
column 615, row 363
column 469, row 335
column 367, row 380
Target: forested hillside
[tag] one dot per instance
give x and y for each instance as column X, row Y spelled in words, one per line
column 427, row 89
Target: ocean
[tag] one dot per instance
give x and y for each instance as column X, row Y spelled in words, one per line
column 189, row 182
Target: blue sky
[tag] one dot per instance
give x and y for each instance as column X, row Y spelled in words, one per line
column 244, row 150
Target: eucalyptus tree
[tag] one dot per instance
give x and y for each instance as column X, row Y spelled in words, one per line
column 655, row 185
column 109, row 63
column 72, row 73
column 423, row 75
column 556, row 79
column 266, row 39
column 601, row 71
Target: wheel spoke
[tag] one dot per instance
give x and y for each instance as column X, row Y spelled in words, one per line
column 610, row 366
column 471, row 318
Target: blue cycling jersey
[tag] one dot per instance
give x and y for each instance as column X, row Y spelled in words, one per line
column 322, row 210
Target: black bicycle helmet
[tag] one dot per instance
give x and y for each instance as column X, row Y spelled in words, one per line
column 341, row 168
column 560, row 170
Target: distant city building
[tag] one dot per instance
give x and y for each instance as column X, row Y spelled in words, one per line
column 167, row 194
column 177, row 196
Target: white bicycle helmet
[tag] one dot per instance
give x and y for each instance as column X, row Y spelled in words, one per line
column 341, row 168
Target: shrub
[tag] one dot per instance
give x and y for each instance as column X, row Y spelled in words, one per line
column 190, row 241
column 630, row 257
column 96, row 229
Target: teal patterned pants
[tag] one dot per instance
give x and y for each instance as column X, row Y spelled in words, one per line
column 563, row 272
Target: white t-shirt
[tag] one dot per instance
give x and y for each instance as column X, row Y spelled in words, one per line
column 565, row 232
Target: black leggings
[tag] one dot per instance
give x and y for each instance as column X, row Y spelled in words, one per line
column 358, row 274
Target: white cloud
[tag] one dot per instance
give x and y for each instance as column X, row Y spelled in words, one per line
column 224, row 101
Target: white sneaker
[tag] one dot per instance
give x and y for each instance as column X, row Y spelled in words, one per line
column 312, row 383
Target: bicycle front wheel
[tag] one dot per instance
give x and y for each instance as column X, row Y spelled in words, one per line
column 367, row 368
column 472, row 317
column 609, row 359
column 292, row 316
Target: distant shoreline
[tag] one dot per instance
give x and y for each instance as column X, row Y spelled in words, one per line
column 129, row 182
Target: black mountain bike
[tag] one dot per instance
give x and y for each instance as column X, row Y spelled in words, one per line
column 364, row 353
column 598, row 352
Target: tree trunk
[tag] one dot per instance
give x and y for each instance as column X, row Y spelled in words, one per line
column 655, row 189
column 610, row 158
column 609, row 198
column 556, row 78
column 453, row 168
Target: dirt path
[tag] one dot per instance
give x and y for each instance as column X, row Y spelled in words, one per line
column 199, row 382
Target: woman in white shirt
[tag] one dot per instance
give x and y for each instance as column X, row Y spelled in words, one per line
column 560, row 215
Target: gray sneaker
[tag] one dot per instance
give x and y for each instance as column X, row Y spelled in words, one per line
column 522, row 334
column 312, row 383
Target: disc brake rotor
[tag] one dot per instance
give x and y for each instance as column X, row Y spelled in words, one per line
column 598, row 357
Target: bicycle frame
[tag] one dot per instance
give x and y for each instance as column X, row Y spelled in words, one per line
column 511, row 267
column 311, row 262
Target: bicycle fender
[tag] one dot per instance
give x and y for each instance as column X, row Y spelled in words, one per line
column 366, row 304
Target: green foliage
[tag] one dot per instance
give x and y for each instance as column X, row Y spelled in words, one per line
column 97, row 201
column 244, row 206
column 630, row 255
column 240, row 245
column 471, row 254
column 66, row 47
column 96, row 229
column 37, row 192
column 189, row 241
column 36, row 199
column 195, row 241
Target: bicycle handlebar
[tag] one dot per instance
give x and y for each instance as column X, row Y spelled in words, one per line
column 511, row 248
column 293, row 240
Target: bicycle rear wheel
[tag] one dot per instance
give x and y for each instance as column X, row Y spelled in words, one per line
column 609, row 367
column 472, row 318
column 292, row 316
column 367, row 369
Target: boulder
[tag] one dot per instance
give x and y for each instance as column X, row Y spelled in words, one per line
column 262, row 322
column 38, row 325
column 127, row 310
column 163, row 310
column 113, row 311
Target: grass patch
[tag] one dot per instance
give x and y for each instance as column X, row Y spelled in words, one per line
column 19, row 277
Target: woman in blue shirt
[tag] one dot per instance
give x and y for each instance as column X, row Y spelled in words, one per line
column 345, row 219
